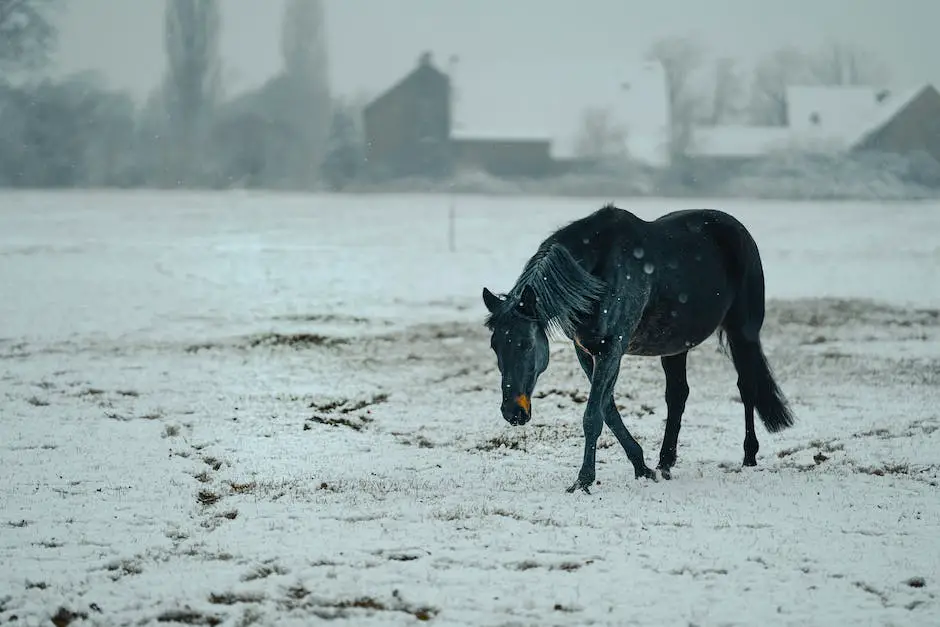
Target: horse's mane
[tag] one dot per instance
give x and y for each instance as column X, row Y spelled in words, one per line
column 564, row 290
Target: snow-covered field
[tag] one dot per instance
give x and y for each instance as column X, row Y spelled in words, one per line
column 279, row 409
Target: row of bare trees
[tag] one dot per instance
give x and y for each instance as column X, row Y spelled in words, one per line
column 76, row 131
column 27, row 34
column 191, row 93
column 720, row 91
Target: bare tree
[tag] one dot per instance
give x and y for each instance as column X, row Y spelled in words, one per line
column 599, row 136
column 846, row 64
column 833, row 65
column 773, row 74
column 728, row 92
column 27, row 34
column 680, row 58
column 304, row 50
column 192, row 86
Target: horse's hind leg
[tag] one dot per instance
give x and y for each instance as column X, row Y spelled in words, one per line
column 745, row 353
column 677, row 393
column 614, row 422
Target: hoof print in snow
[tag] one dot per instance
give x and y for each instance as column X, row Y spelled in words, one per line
column 264, row 571
column 208, row 497
column 294, row 340
column 578, row 397
column 64, row 617
column 347, row 608
column 171, row 431
column 212, row 462
column 347, row 413
column 90, row 393
column 242, row 488
column 419, row 440
column 188, row 616
column 356, row 423
column 403, row 555
column 502, row 443
column 123, row 568
column 233, row 598
column 870, row 589
column 567, row 566
column 216, row 520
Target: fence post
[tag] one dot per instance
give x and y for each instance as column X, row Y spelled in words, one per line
column 452, row 225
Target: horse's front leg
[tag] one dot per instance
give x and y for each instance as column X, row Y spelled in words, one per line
column 603, row 378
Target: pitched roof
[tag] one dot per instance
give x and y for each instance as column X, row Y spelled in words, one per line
column 839, row 118
column 548, row 100
column 425, row 64
column 895, row 103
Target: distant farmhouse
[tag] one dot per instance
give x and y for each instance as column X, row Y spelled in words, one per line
column 408, row 127
column 515, row 121
column 532, row 121
column 831, row 120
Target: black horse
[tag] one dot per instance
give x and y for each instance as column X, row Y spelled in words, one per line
column 616, row 284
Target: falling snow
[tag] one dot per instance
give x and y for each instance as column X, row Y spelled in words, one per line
column 269, row 409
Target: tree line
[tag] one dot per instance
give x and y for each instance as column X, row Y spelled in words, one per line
column 289, row 133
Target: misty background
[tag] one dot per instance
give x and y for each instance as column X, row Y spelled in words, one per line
column 229, row 94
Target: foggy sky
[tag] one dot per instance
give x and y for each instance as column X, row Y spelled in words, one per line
column 374, row 42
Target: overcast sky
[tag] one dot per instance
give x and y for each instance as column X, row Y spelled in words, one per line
column 373, row 42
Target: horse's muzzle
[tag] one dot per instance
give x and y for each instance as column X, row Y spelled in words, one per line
column 517, row 411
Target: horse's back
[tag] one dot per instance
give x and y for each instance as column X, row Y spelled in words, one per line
column 694, row 262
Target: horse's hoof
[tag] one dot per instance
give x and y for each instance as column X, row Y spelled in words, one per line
column 579, row 485
column 666, row 473
column 646, row 473
column 750, row 462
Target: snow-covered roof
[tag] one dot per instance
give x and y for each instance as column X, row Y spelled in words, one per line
column 549, row 100
column 738, row 140
column 840, row 117
column 821, row 119
column 892, row 105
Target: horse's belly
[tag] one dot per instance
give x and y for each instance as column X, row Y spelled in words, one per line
column 672, row 330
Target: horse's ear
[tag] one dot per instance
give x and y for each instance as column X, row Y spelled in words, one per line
column 527, row 302
column 491, row 300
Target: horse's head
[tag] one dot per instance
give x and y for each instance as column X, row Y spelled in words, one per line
column 521, row 348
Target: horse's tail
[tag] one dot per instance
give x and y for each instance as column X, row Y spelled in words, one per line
column 757, row 384
column 743, row 323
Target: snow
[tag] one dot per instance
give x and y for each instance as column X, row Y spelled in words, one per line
column 839, row 117
column 247, row 408
column 550, row 99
